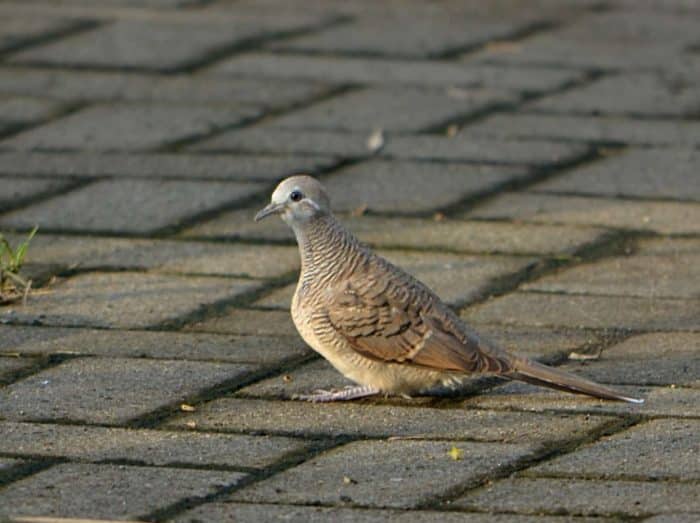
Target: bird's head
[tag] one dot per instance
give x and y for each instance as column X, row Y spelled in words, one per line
column 297, row 199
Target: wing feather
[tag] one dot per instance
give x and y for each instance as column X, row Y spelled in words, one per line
column 393, row 318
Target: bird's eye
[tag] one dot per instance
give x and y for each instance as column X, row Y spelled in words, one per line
column 295, row 196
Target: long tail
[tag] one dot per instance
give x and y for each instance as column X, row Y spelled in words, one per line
column 538, row 374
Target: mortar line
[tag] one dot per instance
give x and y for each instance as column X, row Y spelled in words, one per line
column 591, row 412
column 607, row 245
column 62, row 111
column 178, row 507
column 42, row 363
column 689, row 116
column 190, row 66
column 42, row 195
column 513, row 106
column 616, row 197
column 160, row 415
column 26, row 470
column 541, row 455
column 255, row 43
column 264, row 115
column 83, row 25
column 529, row 30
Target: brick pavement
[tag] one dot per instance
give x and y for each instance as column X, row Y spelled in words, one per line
column 540, row 169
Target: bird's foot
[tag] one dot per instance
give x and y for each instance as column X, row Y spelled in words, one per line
column 348, row 393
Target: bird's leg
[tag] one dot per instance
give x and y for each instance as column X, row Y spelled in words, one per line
column 348, row 393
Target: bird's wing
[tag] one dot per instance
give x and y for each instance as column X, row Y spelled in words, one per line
column 393, row 318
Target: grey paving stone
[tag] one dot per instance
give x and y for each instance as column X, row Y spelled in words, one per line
column 614, row 39
column 147, row 447
column 665, row 5
column 659, row 449
column 21, row 29
column 17, row 190
column 669, row 246
column 392, row 109
column 553, row 50
column 662, row 217
column 579, row 497
column 634, row 173
column 464, row 147
column 394, row 72
column 11, row 366
column 138, row 3
column 108, row 4
column 125, row 299
column 383, row 421
column 240, row 224
column 8, row 468
column 447, row 235
column 539, row 343
column 13, row 337
column 644, row 276
column 108, row 86
column 651, row 359
column 7, row 128
column 455, row 278
column 108, row 491
column 206, row 167
column 135, row 127
column 129, row 206
column 318, row 374
column 380, row 474
column 55, row 253
column 659, row 401
column 406, row 35
column 248, row 322
column 364, row 8
column 147, row 344
column 277, row 299
column 7, row 463
column 673, row 518
column 112, row 391
column 642, row 26
column 474, row 236
column 301, row 514
column 589, row 129
column 595, row 312
column 266, row 138
column 154, row 44
column 205, row 258
column 535, row 343
column 634, row 94
column 683, row 68
column 24, row 110
column 414, row 187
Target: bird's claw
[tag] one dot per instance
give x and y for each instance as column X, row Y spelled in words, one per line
column 347, row 393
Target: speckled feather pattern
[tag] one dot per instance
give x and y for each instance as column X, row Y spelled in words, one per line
column 379, row 326
column 374, row 322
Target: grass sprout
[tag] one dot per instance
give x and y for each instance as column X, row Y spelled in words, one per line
column 12, row 285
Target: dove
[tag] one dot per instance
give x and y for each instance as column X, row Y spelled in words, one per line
column 379, row 326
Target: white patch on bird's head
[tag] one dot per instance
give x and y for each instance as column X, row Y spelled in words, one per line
column 300, row 198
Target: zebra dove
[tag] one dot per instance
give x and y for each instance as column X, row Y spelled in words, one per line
column 379, row 326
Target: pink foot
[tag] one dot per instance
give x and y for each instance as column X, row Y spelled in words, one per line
column 348, row 393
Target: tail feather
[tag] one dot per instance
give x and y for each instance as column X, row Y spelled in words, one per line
column 538, row 374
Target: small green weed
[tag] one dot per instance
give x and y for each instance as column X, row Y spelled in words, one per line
column 12, row 285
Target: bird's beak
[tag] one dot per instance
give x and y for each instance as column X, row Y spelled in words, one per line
column 272, row 208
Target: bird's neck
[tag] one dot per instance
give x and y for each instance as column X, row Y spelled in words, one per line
column 328, row 250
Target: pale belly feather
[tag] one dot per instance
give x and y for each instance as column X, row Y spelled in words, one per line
column 391, row 378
